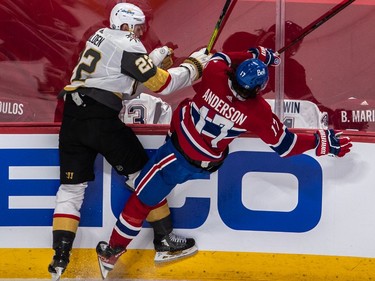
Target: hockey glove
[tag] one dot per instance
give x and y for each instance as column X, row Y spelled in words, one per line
column 268, row 56
column 196, row 62
column 162, row 57
column 330, row 143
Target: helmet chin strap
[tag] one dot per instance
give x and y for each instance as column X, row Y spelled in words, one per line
column 131, row 27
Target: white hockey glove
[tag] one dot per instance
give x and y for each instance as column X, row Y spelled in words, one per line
column 196, row 62
column 162, row 57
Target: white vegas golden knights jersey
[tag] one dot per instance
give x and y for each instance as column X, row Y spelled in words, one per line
column 145, row 109
column 302, row 114
column 101, row 63
column 112, row 64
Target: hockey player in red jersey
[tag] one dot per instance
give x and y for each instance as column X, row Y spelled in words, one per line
column 226, row 105
column 112, row 63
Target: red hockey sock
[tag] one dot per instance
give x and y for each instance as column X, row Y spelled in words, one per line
column 129, row 223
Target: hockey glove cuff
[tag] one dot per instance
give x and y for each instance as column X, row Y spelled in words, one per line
column 196, row 62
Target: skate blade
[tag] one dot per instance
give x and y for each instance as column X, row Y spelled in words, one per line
column 162, row 257
column 104, row 270
column 56, row 276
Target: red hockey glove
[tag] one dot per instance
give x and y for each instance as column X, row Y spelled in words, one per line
column 330, row 143
column 268, row 56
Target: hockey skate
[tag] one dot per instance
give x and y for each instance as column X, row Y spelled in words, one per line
column 60, row 260
column 172, row 247
column 107, row 257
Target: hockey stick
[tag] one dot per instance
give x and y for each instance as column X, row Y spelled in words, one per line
column 225, row 11
column 318, row 22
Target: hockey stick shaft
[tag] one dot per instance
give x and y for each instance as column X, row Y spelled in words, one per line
column 225, row 12
column 318, row 22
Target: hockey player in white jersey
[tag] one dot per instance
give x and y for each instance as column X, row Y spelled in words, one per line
column 302, row 114
column 145, row 109
column 112, row 63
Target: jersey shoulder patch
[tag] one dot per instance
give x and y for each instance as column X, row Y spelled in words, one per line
column 137, row 65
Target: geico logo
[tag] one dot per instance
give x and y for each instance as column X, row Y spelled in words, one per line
column 29, row 182
column 230, row 187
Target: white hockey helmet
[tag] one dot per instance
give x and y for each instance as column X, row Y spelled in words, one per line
column 126, row 13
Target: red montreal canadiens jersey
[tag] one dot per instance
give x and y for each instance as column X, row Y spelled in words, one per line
column 214, row 117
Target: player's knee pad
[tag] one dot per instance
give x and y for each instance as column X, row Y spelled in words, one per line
column 69, row 198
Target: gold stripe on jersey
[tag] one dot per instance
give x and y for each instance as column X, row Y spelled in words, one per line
column 119, row 95
column 70, row 88
column 158, row 81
